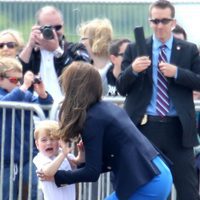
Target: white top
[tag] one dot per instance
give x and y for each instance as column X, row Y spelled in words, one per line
column 49, row 76
column 103, row 73
column 49, row 188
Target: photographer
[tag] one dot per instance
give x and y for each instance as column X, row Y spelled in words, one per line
column 47, row 52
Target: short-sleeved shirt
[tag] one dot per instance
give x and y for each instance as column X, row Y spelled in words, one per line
column 49, row 188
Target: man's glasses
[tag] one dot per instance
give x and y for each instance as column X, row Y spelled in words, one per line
column 162, row 21
column 84, row 38
column 57, row 27
column 13, row 79
column 120, row 54
column 9, row 45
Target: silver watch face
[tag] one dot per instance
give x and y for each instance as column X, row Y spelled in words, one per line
column 58, row 53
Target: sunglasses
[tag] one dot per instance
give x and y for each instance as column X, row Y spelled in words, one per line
column 162, row 21
column 9, row 45
column 84, row 38
column 120, row 54
column 57, row 27
column 13, row 79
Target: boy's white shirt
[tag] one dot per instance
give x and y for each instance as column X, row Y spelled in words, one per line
column 49, row 188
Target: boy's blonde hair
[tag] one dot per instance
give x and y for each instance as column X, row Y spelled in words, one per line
column 8, row 64
column 51, row 127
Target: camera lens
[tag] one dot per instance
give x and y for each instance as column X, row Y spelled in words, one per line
column 47, row 32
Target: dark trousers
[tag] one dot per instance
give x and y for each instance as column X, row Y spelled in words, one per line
column 167, row 136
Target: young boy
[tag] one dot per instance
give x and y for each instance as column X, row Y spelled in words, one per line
column 12, row 90
column 50, row 158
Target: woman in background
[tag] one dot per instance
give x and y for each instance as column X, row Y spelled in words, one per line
column 11, row 43
column 96, row 35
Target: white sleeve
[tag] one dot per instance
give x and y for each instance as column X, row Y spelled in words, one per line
column 70, row 156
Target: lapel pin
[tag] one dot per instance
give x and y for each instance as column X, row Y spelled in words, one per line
column 178, row 47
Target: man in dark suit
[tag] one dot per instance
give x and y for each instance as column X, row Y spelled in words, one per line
column 173, row 131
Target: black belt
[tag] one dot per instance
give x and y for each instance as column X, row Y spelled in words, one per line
column 165, row 119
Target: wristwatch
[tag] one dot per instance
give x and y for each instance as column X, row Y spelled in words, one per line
column 58, row 52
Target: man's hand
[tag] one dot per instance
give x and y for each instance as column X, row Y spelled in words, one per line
column 140, row 64
column 50, row 45
column 168, row 70
column 35, row 32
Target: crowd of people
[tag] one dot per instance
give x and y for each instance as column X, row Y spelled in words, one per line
column 147, row 145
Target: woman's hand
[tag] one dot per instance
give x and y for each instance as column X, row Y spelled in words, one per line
column 81, row 152
column 44, row 177
column 65, row 147
column 80, row 158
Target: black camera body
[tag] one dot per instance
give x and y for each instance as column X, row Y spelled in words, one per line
column 47, row 32
column 37, row 80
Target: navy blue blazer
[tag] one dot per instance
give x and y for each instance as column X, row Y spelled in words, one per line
column 138, row 88
column 113, row 143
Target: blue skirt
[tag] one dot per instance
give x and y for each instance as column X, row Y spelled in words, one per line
column 157, row 189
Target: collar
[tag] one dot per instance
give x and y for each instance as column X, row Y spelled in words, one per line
column 157, row 43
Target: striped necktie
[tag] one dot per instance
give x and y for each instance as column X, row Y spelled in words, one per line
column 162, row 100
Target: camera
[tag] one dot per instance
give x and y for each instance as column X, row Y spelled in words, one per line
column 37, row 80
column 47, row 32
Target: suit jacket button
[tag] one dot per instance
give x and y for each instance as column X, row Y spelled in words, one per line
column 109, row 167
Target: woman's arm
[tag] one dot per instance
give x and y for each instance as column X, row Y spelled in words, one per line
column 92, row 136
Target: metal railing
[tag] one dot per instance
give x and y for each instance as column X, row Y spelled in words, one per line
column 14, row 114
column 86, row 191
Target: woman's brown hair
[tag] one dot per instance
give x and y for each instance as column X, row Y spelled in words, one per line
column 82, row 87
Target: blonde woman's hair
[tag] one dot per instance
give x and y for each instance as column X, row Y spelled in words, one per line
column 8, row 64
column 49, row 126
column 16, row 36
column 99, row 32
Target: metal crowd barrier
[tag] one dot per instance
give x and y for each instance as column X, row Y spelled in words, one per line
column 15, row 110
column 86, row 191
column 197, row 105
column 53, row 113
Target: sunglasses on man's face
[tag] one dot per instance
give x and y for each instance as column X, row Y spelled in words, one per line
column 120, row 54
column 162, row 21
column 9, row 45
column 57, row 27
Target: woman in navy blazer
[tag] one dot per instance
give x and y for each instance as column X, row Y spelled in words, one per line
column 111, row 141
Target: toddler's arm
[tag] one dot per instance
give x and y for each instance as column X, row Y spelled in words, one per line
column 51, row 168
